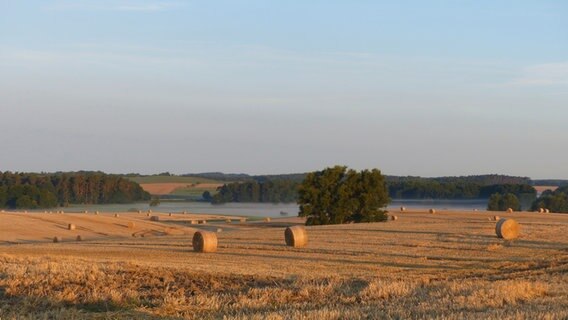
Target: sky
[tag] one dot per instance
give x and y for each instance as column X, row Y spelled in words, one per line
column 426, row 88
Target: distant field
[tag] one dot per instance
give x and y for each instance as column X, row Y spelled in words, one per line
column 190, row 187
column 541, row 189
column 448, row 265
column 182, row 189
column 171, row 179
column 196, row 190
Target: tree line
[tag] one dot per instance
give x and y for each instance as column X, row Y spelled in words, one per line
column 286, row 190
column 555, row 201
column 273, row 191
column 503, row 202
column 47, row 190
column 502, row 192
column 457, row 188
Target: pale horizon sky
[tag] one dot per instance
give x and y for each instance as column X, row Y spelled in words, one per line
column 426, row 88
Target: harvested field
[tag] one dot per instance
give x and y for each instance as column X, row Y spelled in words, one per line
column 40, row 227
column 179, row 188
column 162, row 188
column 450, row 265
column 541, row 189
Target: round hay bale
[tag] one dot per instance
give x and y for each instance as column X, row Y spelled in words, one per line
column 432, row 211
column 170, row 214
column 86, row 212
column 496, row 218
column 96, row 213
column 243, row 220
column 393, row 218
column 116, row 215
column 70, row 226
column 510, row 210
column 154, row 218
column 228, row 220
column 139, row 211
column 204, row 241
column 219, row 230
column 546, row 210
column 267, row 219
column 148, row 214
column 79, row 238
column 149, row 210
column 131, row 225
column 185, row 212
column 402, row 209
column 194, row 221
column 540, row 210
column 507, row 229
column 57, row 239
column 296, row 236
column 202, row 221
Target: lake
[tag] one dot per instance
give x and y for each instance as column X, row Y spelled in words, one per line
column 267, row 209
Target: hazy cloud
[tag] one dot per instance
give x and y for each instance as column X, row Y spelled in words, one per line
column 92, row 55
column 117, row 5
column 548, row 74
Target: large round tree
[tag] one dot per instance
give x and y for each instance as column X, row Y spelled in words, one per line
column 338, row 195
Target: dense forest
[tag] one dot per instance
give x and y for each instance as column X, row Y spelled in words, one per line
column 284, row 188
column 484, row 180
column 273, row 191
column 432, row 189
column 43, row 190
column 550, row 182
column 220, row 176
column 487, row 179
column 555, row 201
column 503, row 202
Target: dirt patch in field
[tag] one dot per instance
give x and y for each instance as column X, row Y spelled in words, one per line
column 541, row 189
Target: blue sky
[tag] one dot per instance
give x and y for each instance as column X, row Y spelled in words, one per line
column 411, row 87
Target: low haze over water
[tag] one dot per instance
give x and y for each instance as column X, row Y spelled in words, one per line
column 269, row 210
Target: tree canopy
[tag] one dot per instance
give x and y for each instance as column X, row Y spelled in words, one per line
column 555, row 201
column 35, row 190
column 274, row 191
column 502, row 202
column 337, row 195
column 284, row 188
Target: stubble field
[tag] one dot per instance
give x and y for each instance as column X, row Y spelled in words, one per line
column 448, row 265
